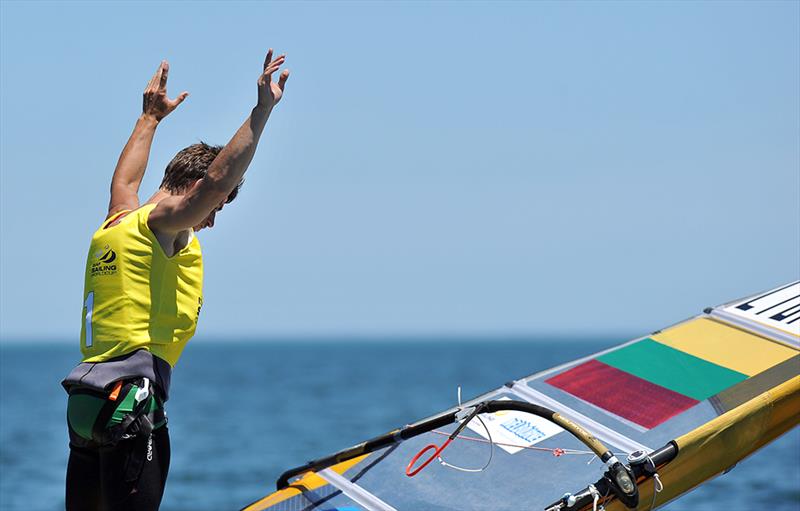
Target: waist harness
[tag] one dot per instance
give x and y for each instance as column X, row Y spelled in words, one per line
column 131, row 409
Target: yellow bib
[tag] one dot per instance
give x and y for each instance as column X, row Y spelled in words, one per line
column 135, row 297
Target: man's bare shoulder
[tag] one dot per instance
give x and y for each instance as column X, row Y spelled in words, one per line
column 171, row 242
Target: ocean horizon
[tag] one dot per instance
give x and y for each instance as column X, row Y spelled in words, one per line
column 242, row 412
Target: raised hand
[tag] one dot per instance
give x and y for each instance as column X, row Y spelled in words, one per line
column 155, row 101
column 269, row 92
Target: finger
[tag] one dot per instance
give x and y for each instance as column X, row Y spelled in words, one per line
column 164, row 72
column 267, row 78
column 183, row 95
column 271, row 69
column 154, row 79
column 282, row 80
column 268, row 59
column 277, row 62
column 274, row 66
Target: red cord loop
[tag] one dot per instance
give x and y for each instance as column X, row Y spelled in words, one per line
column 437, row 451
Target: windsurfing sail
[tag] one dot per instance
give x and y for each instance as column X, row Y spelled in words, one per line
column 663, row 413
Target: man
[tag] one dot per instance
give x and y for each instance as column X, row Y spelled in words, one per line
column 142, row 297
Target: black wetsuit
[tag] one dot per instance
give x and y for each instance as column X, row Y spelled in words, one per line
column 96, row 476
column 118, row 438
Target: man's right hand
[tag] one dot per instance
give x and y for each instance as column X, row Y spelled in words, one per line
column 156, row 104
column 269, row 92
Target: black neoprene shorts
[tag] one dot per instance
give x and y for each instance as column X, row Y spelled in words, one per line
column 98, row 478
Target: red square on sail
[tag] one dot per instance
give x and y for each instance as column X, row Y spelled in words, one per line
column 622, row 394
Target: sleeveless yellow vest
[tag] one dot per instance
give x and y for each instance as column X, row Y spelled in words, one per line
column 135, row 297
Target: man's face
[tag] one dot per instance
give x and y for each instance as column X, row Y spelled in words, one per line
column 209, row 220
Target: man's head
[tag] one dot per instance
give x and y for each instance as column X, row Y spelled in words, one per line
column 187, row 167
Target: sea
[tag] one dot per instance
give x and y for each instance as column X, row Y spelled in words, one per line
column 241, row 412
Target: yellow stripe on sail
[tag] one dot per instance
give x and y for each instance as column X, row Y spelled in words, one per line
column 725, row 345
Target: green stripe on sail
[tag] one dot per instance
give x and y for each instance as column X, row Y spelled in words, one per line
column 672, row 369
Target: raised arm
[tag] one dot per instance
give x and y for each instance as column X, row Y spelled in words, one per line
column 133, row 160
column 179, row 212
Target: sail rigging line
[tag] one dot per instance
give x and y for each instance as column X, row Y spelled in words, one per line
column 491, row 450
column 658, row 486
column 488, row 435
column 555, row 452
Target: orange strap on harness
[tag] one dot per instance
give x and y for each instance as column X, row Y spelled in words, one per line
column 115, row 391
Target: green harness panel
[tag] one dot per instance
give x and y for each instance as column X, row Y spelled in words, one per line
column 83, row 410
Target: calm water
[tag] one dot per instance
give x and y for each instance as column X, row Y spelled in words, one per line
column 241, row 413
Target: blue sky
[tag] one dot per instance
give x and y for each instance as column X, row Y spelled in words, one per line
column 439, row 169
